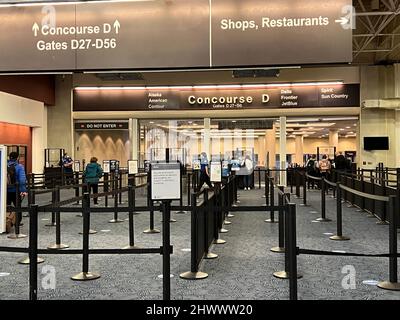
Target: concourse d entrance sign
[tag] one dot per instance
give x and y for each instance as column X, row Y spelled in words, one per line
column 173, row 34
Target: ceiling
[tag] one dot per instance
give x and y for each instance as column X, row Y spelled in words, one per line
column 376, row 38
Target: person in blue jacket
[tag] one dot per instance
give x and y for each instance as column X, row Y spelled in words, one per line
column 15, row 178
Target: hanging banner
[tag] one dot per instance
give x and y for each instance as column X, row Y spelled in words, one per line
column 173, row 34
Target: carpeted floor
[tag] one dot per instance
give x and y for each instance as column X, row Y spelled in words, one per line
column 243, row 269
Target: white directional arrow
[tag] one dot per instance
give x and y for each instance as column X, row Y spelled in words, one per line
column 35, row 29
column 117, row 25
column 342, row 20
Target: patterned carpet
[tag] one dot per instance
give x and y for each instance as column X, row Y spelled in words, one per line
column 243, row 269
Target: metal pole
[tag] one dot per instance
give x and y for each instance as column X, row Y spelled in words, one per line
column 259, row 178
column 292, row 248
column 33, row 246
column 85, row 275
column 281, row 226
column 105, row 189
column 188, row 189
column 77, row 187
column 166, row 205
column 116, row 219
column 339, row 228
column 304, row 190
column 393, row 283
column 58, row 244
column 272, row 197
column 131, row 204
column 323, row 203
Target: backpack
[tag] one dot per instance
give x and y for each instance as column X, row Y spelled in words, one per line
column 310, row 165
column 11, row 175
column 324, row 165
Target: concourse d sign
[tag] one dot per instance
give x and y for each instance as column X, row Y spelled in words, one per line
column 173, row 34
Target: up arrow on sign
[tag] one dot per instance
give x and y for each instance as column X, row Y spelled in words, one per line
column 35, row 29
column 117, row 25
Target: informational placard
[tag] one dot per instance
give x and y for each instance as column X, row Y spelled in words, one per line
column 215, row 172
column 132, row 167
column 116, row 35
column 106, row 166
column 114, row 165
column 165, row 181
column 3, row 188
column 77, row 166
column 147, row 166
column 196, row 165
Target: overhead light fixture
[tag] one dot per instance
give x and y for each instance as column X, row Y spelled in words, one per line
column 215, row 87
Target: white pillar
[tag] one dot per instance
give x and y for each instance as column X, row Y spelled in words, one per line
column 270, row 146
column 39, row 143
column 207, row 140
column 299, row 150
column 334, row 138
column 282, row 150
column 134, row 139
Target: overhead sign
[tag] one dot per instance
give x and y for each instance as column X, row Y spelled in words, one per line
column 173, row 34
column 165, row 181
column 315, row 96
column 102, row 125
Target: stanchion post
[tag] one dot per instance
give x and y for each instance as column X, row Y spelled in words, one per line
column 272, row 203
column 166, row 250
column 291, row 179
column 259, row 178
column 105, row 189
column 85, row 275
column 339, row 226
column 33, row 254
column 281, row 227
column 304, row 190
column 266, row 195
column 292, row 249
column 58, row 244
column 131, row 205
column 323, row 217
column 119, row 181
column 297, row 184
column 188, row 189
column 77, row 186
column 116, row 197
column 393, row 283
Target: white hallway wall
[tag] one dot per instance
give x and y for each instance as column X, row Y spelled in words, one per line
column 27, row 112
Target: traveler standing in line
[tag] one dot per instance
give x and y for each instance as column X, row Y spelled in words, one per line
column 340, row 163
column 15, row 174
column 92, row 174
column 248, row 164
column 204, row 174
column 324, row 166
column 311, row 170
column 67, row 164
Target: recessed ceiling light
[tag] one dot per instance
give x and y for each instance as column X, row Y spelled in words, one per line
column 233, row 121
column 151, row 122
column 348, row 127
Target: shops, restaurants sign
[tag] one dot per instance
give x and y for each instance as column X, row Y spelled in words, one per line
column 173, row 34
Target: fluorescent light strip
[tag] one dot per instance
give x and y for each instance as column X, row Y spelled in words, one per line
column 216, row 87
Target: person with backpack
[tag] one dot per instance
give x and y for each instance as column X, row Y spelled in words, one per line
column 324, row 166
column 92, row 175
column 16, row 181
column 311, row 170
column 67, row 164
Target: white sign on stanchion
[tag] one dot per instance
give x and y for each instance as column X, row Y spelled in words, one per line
column 215, row 175
column 77, row 166
column 165, row 181
column 106, row 166
column 3, row 188
column 196, row 165
column 132, row 167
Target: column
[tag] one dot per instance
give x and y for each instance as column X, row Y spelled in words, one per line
column 282, row 150
column 134, row 139
column 39, row 143
column 261, row 151
column 270, row 142
column 299, row 141
column 397, row 125
column 334, row 138
column 207, row 140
